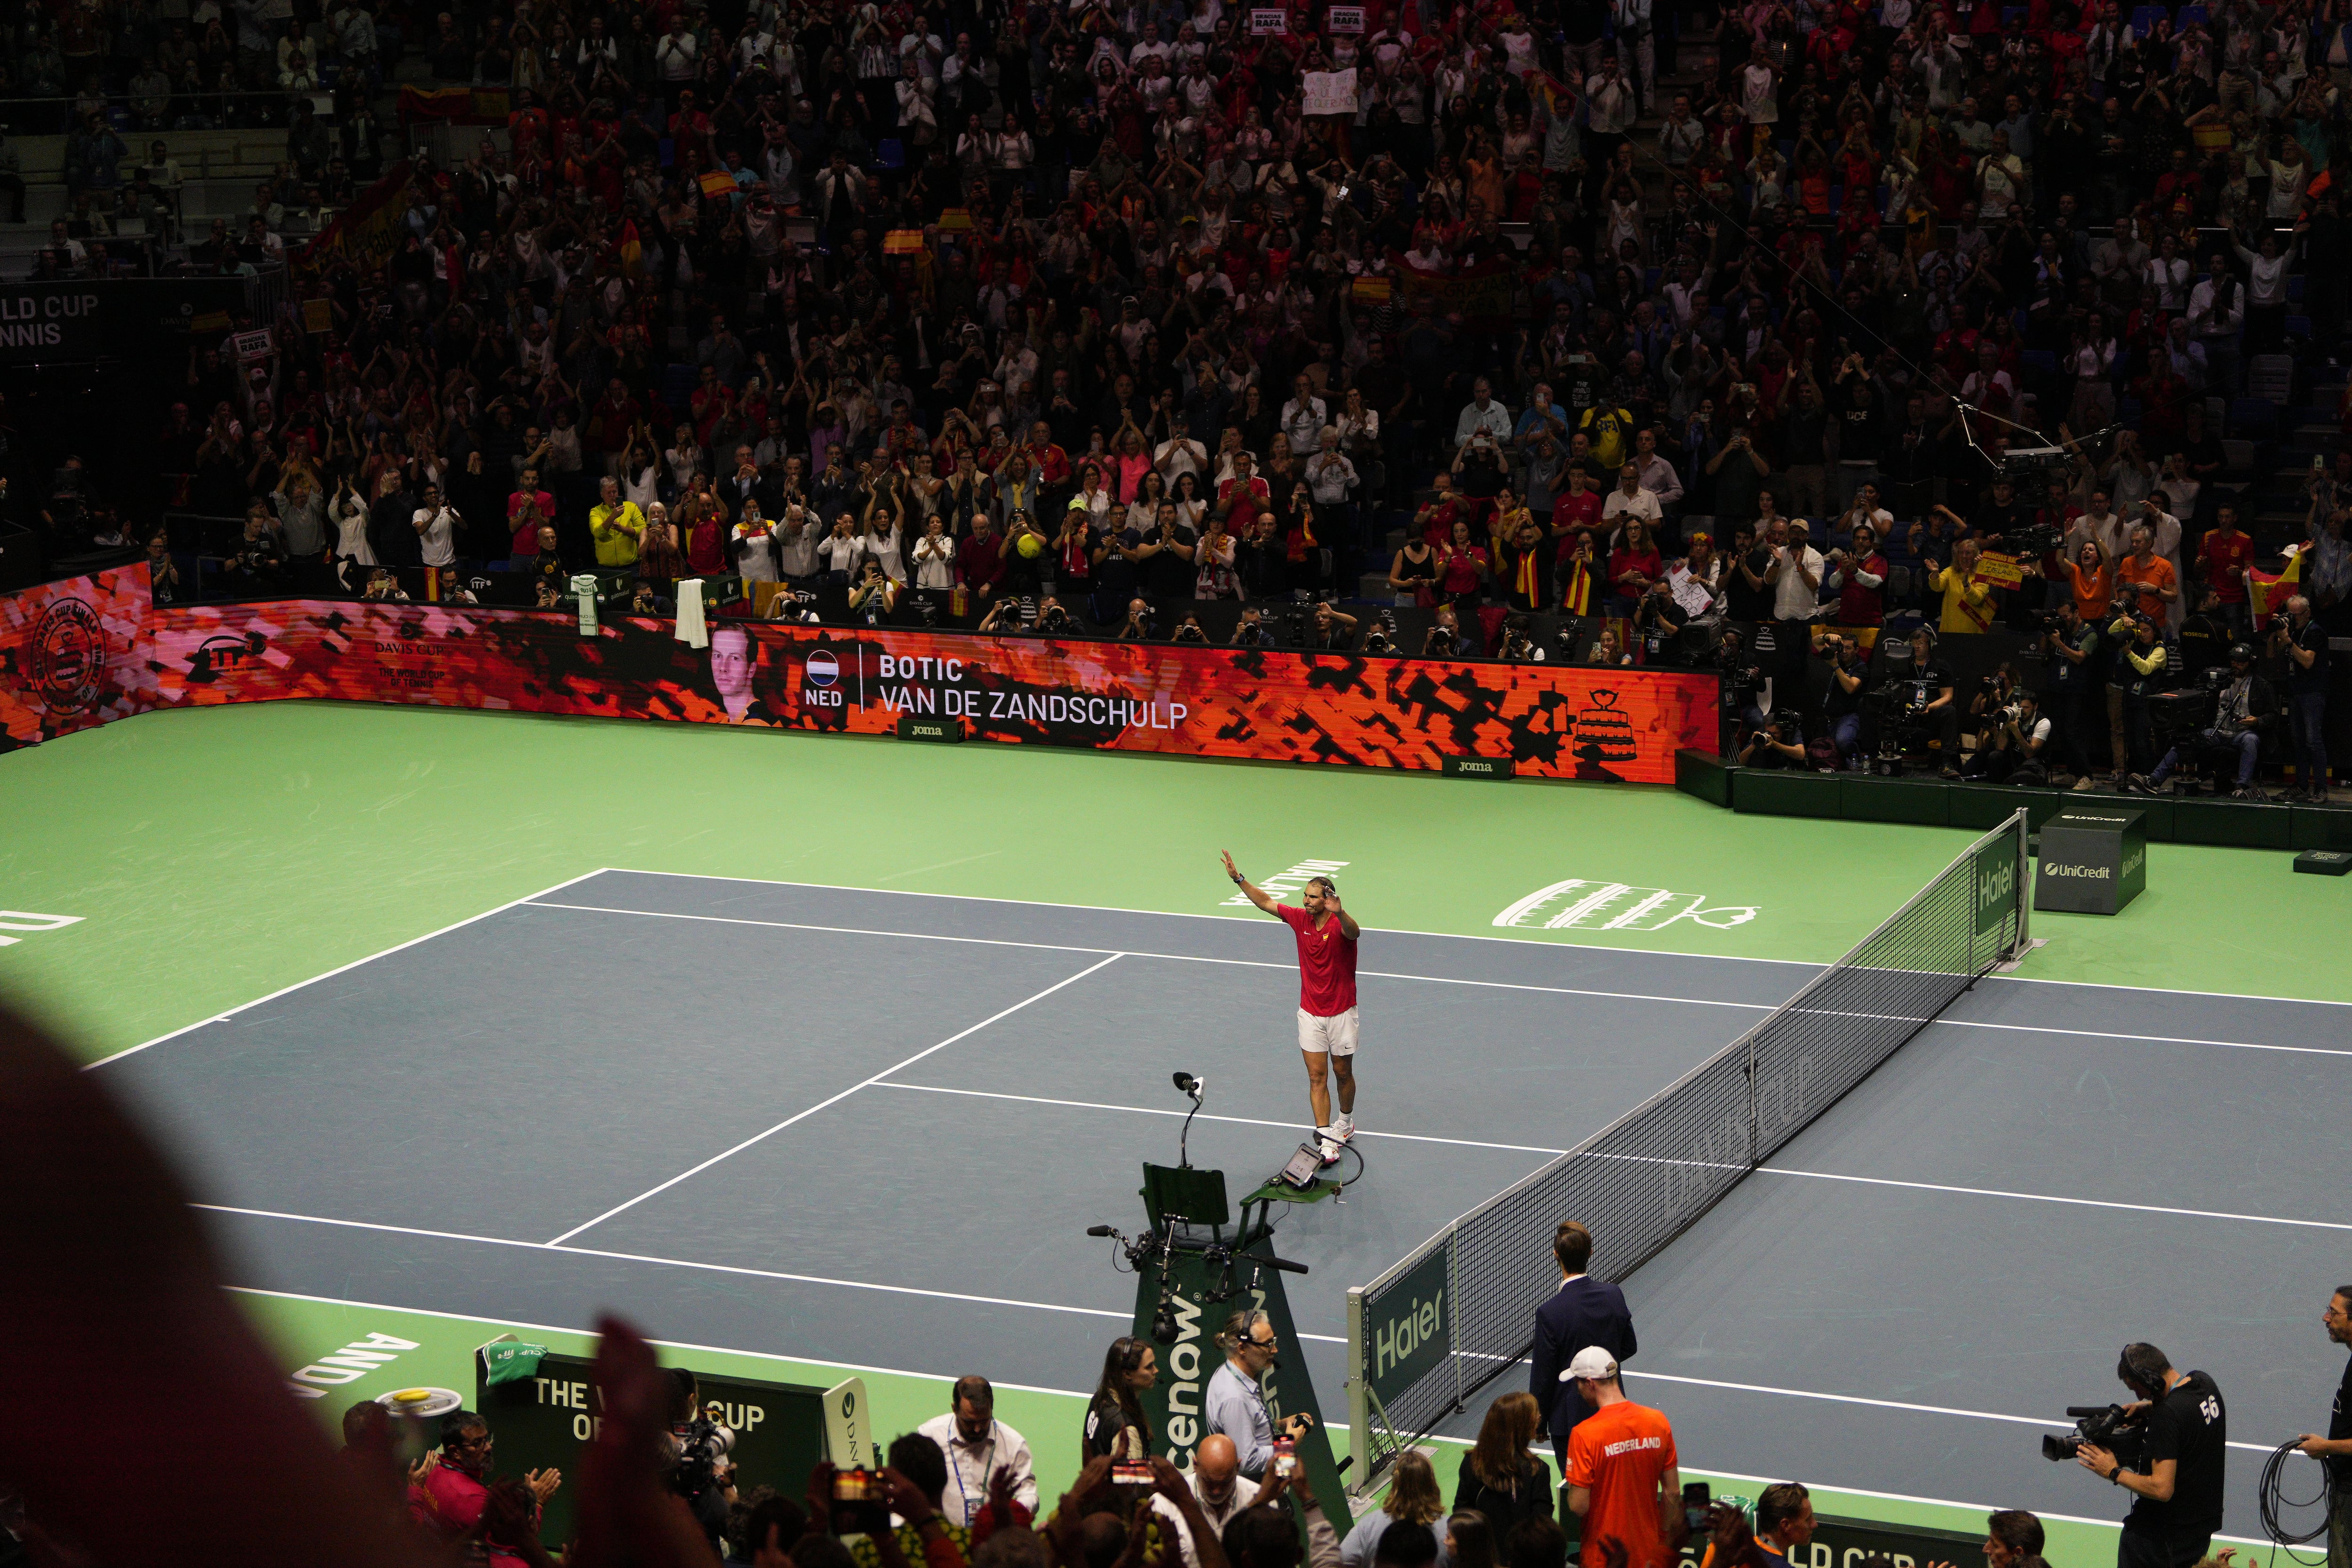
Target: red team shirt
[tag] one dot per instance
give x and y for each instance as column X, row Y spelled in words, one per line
column 1326, row 963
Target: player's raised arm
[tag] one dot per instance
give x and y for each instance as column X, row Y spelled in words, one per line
column 1258, row 894
column 1347, row 926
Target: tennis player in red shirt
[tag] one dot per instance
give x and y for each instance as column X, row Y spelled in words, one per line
column 1326, row 999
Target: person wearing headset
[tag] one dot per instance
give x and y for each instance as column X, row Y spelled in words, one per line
column 978, row 1447
column 2175, row 1484
column 1234, row 1402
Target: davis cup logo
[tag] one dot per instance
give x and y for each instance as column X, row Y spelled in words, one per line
column 68, row 657
column 821, row 677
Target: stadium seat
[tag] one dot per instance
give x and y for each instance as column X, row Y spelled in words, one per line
column 2144, row 19
column 2253, row 418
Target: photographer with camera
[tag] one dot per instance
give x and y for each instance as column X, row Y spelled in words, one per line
column 1841, row 704
column 1137, row 627
column 2140, row 668
column 2012, row 747
column 699, row 1470
column 1517, row 645
column 2176, row 1432
column 1251, row 630
column 1778, row 742
column 2071, row 645
column 2304, row 641
column 1444, row 639
column 2246, row 704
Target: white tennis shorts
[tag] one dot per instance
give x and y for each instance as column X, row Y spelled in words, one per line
column 1335, row 1035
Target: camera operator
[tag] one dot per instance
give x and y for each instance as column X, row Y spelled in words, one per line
column 2177, row 1499
column 1518, row 648
column 2304, row 641
column 2012, row 752
column 1942, row 713
column 2140, row 671
column 1658, row 623
column 699, row 1470
column 1053, row 620
column 1381, row 636
column 1445, row 639
column 1190, row 630
column 2335, row 1450
column 1743, row 688
column 1841, row 705
column 2246, row 704
column 1987, row 706
column 1777, row 743
column 1137, row 627
column 1004, row 619
column 2071, row 643
column 1251, row 630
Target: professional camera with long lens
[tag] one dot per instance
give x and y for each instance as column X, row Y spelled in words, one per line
column 1190, row 632
column 2107, row 1426
column 1380, row 638
column 1053, row 620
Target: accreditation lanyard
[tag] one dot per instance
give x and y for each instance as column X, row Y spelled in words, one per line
column 955, row 1465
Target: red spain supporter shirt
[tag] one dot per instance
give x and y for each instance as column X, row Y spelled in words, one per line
column 1326, row 963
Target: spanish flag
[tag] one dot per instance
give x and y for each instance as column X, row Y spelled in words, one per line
column 1556, row 96
column 1578, row 584
column 903, row 242
column 2268, row 595
column 717, row 183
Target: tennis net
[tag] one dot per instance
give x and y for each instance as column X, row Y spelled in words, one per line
column 1460, row 1309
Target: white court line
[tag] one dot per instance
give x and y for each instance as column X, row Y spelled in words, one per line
column 845, row 1094
column 1881, row 1404
column 354, row 963
column 1236, row 1120
column 1137, row 952
column 1228, row 920
column 643, row 1257
column 1459, row 936
column 1429, row 978
column 2052, row 1198
column 2149, row 1039
column 685, row 1263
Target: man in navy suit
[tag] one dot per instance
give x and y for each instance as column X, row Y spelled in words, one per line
column 1583, row 1311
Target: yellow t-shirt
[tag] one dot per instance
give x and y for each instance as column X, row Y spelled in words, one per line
column 1607, row 429
column 1968, row 604
column 616, row 530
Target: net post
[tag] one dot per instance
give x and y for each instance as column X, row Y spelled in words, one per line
column 1359, row 1438
column 2023, row 944
column 1454, row 1317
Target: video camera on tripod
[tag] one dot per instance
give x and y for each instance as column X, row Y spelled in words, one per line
column 1896, row 707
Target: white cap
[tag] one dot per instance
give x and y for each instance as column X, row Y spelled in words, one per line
column 1592, row 1363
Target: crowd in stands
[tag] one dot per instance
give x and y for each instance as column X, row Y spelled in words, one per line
column 1805, row 314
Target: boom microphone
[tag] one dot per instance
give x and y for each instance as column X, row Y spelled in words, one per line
column 1100, row 1230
